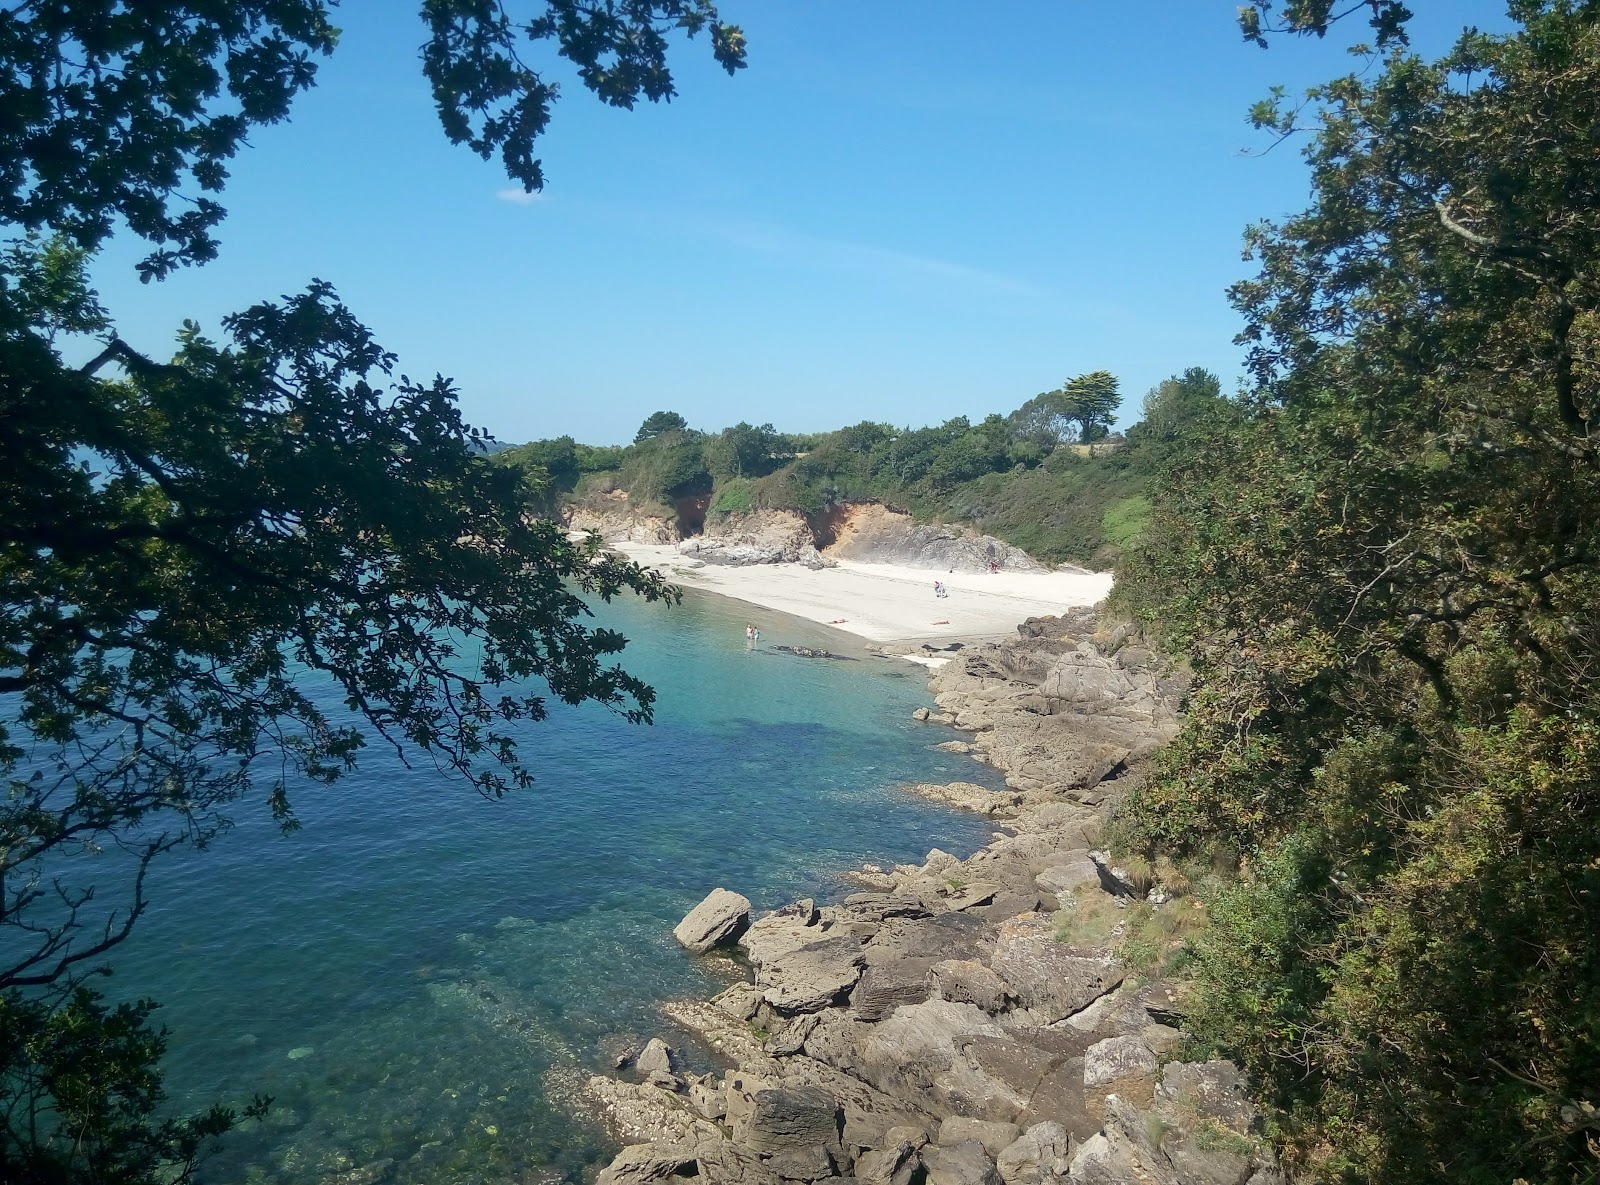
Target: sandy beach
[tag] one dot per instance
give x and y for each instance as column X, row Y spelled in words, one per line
column 885, row 602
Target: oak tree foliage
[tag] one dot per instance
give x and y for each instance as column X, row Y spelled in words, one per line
column 186, row 538
column 1384, row 566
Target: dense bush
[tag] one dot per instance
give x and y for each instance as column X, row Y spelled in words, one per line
column 1384, row 567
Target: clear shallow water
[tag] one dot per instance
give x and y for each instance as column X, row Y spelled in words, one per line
column 423, row 976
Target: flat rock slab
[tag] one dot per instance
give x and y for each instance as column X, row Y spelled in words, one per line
column 970, row 896
column 813, row 976
column 909, row 1049
column 969, row 796
column 944, row 936
column 721, row 917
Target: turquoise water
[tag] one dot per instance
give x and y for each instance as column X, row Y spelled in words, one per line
column 425, row 977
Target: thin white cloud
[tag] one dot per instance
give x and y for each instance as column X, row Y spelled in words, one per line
column 518, row 197
column 880, row 262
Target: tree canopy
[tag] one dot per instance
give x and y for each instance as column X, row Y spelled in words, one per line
column 183, row 538
column 1384, row 566
column 658, row 423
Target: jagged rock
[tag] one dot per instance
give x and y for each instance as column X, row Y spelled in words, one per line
column 993, row 1136
column 1110, row 1158
column 876, row 535
column 896, row 1163
column 655, row 1056
column 757, row 537
column 937, row 860
column 665, row 1080
column 967, row 981
column 721, row 917
column 1210, row 1120
column 965, row 1163
column 793, row 1037
column 1116, row 1058
column 789, row 1117
column 1052, row 979
column 707, row 1097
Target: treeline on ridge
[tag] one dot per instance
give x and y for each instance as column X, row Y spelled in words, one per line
column 1051, row 477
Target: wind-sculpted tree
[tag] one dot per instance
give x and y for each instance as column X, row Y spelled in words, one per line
column 1386, row 571
column 182, row 538
column 1091, row 401
column 1082, row 408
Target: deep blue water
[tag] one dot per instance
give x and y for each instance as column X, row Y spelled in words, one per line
column 424, row 976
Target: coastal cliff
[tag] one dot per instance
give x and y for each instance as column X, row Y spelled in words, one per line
column 865, row 533
column 1000, row 1020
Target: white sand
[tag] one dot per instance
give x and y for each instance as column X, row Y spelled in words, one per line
column 885, row 602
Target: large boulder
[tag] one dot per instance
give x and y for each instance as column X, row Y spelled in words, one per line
column 1072, row 872
column 656, row 1057
column 648, row 1164
column 965, row 1163
column 1116, row 1058
column 1051, row 978
column 722, row 917
column 789, row 1120
column 1036, row 1156
column 896, row 1163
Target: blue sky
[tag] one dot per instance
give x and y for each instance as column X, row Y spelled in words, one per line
column 898, row 212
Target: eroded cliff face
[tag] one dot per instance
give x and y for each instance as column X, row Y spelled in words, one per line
column 756, row 537
column 617, row 520
column 874, row 534
column 866, row 533
column 961, row 1022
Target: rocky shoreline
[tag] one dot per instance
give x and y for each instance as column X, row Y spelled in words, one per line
column 964, row 1022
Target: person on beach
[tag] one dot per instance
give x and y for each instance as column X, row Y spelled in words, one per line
column 939, row 589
